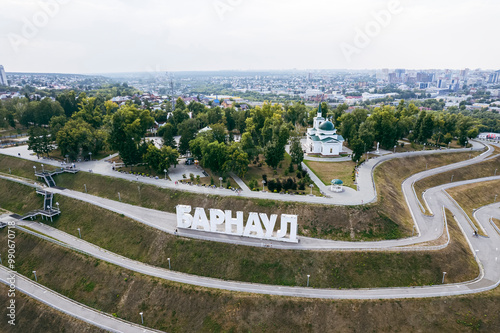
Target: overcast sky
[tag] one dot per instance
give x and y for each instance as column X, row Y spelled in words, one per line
column 104, row 36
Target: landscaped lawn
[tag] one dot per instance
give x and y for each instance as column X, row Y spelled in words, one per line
column 327, row 171
column 255, row 172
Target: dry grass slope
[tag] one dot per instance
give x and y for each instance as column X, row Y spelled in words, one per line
column 179, row 308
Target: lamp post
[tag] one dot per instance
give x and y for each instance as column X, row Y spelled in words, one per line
column 263, row 184
column 395, row 149
column 495, row 198
column 34, row 272
column 57, row 204
column 308, row 276
column 165, row 170
column 169, row 266
column 90, row 156
column 79, row 232
column 142, row 318
column 220, row 181
column 424, row 145
column 1, row 263
column 34, row 168
column 85, row 185
column 43, row 169
column 452, row 178
column 496, row 171
column 444, row 274
column 311, row 186
column 67, row 161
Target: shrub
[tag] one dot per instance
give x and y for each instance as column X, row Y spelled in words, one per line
column 198, row 179
column 228, row 184
column 191, row 176
column 184, row 175
column 211, row 180
column 290, row 168
column 264, row 177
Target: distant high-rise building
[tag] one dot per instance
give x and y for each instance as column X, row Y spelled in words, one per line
column 3, row 77
column 494, row 77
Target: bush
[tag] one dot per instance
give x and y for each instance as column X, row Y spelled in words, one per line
column 264, row 177
column 211, row 180
column 271, row 185
column 299, row 174
column 198, row 179
column 228, row 185
column 191, row 176
column 279, row 186
column 290, row 168
column 184, row 175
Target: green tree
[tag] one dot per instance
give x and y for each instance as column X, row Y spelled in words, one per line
column 127, row 128
column 167, row 132
column 214, row 156
column 237, row 160
column 296, row 151
column 274, row 153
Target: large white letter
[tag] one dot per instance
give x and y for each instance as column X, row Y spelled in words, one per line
column 394, row 7
column 184, row 219
column 238, row 221
column 253, row 225
column 28, row 30
column 285, row 219
column 269, row 223
column 216, row 217
column 200, row 219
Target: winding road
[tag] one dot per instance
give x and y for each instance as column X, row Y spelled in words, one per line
column 486, row 249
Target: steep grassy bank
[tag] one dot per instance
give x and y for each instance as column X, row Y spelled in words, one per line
column 34, row 316
column 179, row 308
column 260, row 265
column 387, row 219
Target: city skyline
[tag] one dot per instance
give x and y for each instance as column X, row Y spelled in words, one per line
column 119, row 36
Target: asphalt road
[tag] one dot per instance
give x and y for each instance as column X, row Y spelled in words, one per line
column 68, row 306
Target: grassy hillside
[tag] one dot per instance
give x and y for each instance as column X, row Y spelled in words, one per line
column 261, row 265
column 387, row 219
column 175, row 307
column 34, row 316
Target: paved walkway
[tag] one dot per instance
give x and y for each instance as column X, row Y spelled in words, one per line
column 485, row 249
column 63, row 304
column 366, row 190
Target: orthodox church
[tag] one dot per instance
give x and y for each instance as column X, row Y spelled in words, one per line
column 323, row 138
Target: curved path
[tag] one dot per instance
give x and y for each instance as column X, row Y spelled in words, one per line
column 485, row 249
column 366, row 191
column 68, row 306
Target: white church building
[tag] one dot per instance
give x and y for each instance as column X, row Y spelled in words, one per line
column 323, row 138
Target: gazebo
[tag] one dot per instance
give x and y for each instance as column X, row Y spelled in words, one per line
column 336, row 185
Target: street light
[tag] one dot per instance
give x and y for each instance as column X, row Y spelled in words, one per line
column 85, row 185
column 496, row 171
column 43, row 170
column 57, row 204
column 34, row 272
column 67, row 160
column 165, row 170
column 495, row 198
column 142, row 318
column 220, row 180
column 90, row 156
column 395, row 149
column 308, row 276
column 169, row 267
column 444, row 273
column 311, row 186
column 263, row 184
column 79, row 232
column 34, row 168
column 452, row 178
